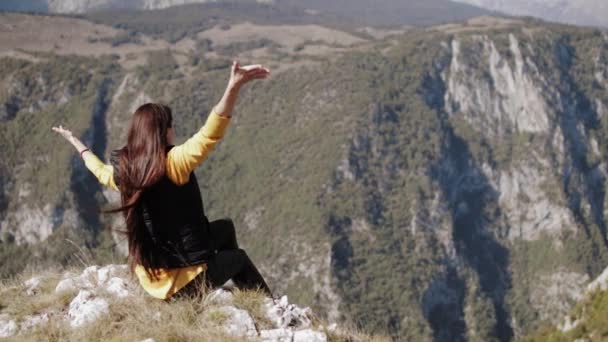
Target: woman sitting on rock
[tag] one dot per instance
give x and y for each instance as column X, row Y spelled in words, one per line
column 172, row 245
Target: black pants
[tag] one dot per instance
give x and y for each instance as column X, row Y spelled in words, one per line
column 229, row 262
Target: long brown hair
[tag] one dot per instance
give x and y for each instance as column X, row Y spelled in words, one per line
column 141, row 164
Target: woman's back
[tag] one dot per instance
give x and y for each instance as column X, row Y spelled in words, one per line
column 174, row 219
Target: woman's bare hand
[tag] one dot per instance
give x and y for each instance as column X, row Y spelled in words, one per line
column 66, row 133
column 239, row 75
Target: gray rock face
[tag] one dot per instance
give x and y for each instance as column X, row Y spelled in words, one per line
column 509, row 98
column 600, row 283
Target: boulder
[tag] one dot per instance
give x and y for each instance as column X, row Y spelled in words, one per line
column 111, row 271
column 8, row 327
column 238, row 322
column 284, row 315
column 277, row 335
column 33, row 320
column 309, row 335
column 111, row 278
column 33, row 286
column 118, row 287
column 220, row 296
column 86, row 308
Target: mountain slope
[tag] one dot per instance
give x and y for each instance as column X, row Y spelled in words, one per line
column 587, row 321
column 436, row 184
column 362, row 12
column 577, row 12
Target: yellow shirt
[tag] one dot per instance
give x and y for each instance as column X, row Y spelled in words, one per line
column 181, row 161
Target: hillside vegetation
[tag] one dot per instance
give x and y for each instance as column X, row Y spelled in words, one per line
column 591, row 316
column 435, row 184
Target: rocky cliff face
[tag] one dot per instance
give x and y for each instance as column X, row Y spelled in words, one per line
column 443, row 184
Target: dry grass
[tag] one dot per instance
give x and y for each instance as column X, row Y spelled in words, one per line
column 253, row 302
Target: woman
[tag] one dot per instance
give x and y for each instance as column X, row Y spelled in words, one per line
column 172, row 246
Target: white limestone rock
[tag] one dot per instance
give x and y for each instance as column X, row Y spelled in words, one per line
column 66, row 285
column 8, row 327
column 238, row 322
column 277, row 335
column 86, row 280
column 538, row 214
column 510, row 95
column 34, row 320
column 568, row 324
column 110, row 278
column 309, row 335
column 118, row 287
column 284, row 315
column 552, row 294
column 110, row 271
column 220, row 296
column 600, row 283
column 33, row 286
column 86, row 308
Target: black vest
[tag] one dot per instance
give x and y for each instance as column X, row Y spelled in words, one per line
column 173, row 216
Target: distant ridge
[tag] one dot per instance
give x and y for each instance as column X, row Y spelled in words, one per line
column 362, row 12
column 575, row 12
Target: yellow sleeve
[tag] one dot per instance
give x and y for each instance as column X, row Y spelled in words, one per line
column 103, row 172
column 184, row 158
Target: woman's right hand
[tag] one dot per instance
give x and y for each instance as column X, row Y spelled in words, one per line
column 239, row 75
column 66, row 133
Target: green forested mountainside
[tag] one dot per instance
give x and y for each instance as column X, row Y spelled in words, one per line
column 445, row 184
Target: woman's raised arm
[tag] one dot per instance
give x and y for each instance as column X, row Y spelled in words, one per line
column 184, row 158
column 103, row 172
